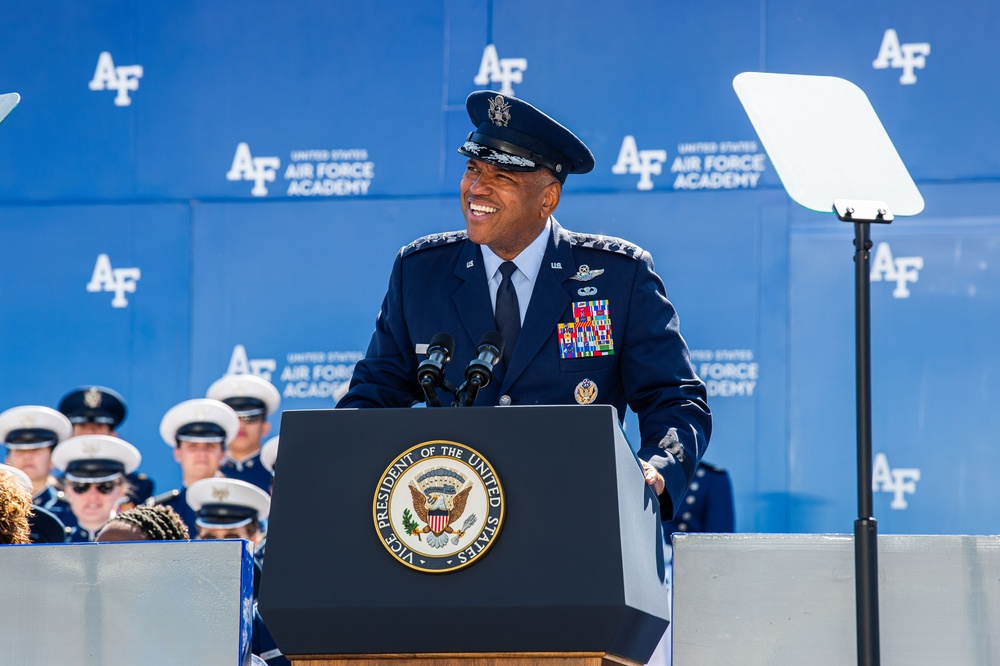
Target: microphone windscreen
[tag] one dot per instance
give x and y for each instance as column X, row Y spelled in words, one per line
column 492, row 338
column 443, row 340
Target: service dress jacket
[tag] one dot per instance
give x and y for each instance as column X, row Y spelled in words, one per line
column 598, row 330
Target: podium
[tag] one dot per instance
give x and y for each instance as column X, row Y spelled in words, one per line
column 572, row 575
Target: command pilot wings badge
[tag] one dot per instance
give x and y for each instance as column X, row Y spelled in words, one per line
column 438, row 507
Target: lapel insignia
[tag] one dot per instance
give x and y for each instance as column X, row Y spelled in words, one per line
column 584, row 274
column 587, row 291
column 589, row 334
column 585, row 392
column 470, row 264
column 556, row 264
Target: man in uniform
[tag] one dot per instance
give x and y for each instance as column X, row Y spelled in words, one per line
column 198, row 431
column 98, row 410
column 233, row 509
column 254, row 399
column 30, row 433
column 584, row 318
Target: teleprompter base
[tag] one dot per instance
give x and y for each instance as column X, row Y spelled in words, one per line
column 470, row 659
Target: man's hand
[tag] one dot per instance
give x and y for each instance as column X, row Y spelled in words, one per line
column 653, row 478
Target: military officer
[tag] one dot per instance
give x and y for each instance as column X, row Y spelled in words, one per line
column 98, row 410
column 94, row 468
column 708, row 504
column 584, row 318
column 30, row 433
column 254, row 399
column 198, row 431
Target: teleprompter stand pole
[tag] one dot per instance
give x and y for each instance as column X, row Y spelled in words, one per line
column 862, row 214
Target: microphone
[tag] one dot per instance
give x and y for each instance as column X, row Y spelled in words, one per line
column 479, row 372
column 430, row 372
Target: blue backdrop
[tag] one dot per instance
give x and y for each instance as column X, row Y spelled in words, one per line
column 189, row 189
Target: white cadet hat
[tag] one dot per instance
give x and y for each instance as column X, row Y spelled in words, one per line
column 269, row 453
column 33, row 427
column 21, row 477
column 222, row 503
column 95, row 458
column 249, row 395
column 200, row 420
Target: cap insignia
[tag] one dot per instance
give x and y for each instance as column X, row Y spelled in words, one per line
column 221, row 494
column 91, row 448
column 499, row 112
column 240, row 387
column 28, row 420
column 201, row 413
column 92, row 398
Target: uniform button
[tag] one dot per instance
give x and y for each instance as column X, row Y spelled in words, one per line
column 689, row 499
column 686, row 515
column 683, row 527
column 694, row 485
column 700, row 472
column 504, row 400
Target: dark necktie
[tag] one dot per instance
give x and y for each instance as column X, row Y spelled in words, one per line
column 508, row 314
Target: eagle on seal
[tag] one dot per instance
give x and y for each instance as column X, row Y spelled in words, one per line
column 439, row 510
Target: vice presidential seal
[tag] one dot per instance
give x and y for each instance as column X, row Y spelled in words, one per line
column 438, row 507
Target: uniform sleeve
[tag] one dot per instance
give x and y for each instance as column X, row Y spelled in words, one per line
column 662, row 388
column 386, row 377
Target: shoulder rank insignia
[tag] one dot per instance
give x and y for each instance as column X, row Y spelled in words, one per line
column 584, row 274
column 607, row 243
column 434, row 240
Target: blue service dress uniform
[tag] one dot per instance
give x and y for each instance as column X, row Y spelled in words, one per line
column 177, row 500
column 708, row 505
column 49, row 499
column 251, row 470
column 438, row 284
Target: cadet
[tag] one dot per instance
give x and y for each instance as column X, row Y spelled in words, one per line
column 198, row 430
column 268, row 456
column 234, row 509
column 708, row 504
column 98, row 410
column 94, row 468
column 254, row 399
column 30, row 433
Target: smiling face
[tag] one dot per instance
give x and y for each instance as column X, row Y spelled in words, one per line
column 506, row 210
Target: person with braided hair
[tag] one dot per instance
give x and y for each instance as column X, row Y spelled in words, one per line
column 145, row 523
column 15, row 505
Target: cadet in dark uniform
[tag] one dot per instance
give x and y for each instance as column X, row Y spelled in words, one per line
column 198, row 431
column 234, row 509
column 584, row 318
column 30, row 433
column 98, row 410
column 708, row 504
column 254, row 399
column 94, row 468
column 46, row 527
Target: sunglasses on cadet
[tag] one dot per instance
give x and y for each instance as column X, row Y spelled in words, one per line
column 104, row 487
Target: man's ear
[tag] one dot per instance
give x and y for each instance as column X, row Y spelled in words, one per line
column 550, row 198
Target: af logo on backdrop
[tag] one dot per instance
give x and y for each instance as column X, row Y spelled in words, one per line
column 259, row 170
column 899, row 481
column 901, row 270
column 122, row 78
column 119, row 281
column 906, row 57
column 646, row 163
column 505, row 71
